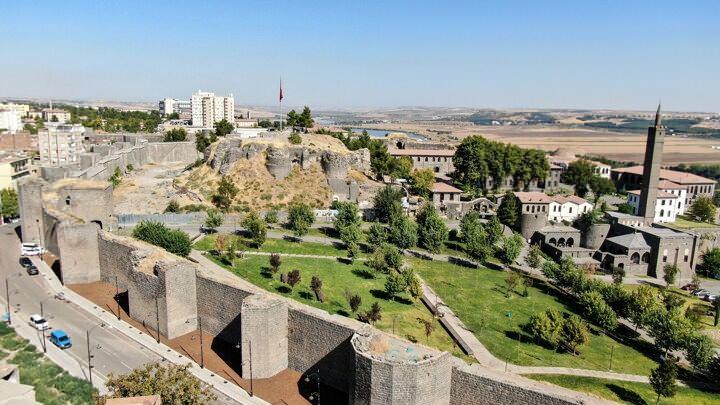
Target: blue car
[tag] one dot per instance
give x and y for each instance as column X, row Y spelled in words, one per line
column 60, row 339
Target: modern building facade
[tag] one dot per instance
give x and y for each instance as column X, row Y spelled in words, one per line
column 10, row 120
column 207, row 109
column 60, row 144
column 13, row 168
column 169, row 106
column 631, row 178
column 55, row 115
column 667, row 205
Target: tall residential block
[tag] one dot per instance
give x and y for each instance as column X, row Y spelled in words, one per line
column 60, row 144
column 207, row 109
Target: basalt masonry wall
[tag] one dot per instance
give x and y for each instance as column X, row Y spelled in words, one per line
column 474, row 384
column 264, row 335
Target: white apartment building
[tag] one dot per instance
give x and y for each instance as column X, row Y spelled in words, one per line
column 54, row 115
column 207, row 109
column 60, row 144
column 10, row 120
column 666, row 205
column 23, row 109
column 169, row 106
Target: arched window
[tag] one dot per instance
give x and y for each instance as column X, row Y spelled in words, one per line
column 664, row 255
column 635, row 258
column 561, row 242
column 662, row 213
column 570, row 242
column 552, row 241
column 646, row 257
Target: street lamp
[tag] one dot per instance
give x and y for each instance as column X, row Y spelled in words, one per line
column 90, row 356
column 42, row 332
column 316, row 394
column 237, row 346
column 202, row 356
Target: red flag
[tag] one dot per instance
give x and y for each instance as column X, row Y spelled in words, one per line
column 281, row 95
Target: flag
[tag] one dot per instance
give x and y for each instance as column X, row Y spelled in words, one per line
column 281, row 95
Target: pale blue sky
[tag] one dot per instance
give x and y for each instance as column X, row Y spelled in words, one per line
column 534, row 54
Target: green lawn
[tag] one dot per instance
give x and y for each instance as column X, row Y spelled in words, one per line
column 477, row 296
column 337, row 278
column 628, row 392
column 277, row 245
column 52, row 384
column 684, row 222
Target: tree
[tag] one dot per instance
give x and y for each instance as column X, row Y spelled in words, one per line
column 275, row 262
column 225, row 193
column 377, row 235
column 428, row 327
column 511, row 248
column 257, row 228
column 316, row 286
column 711, row 262
column 412, row 283
column 574, row 333
column 716, row 308
column 494, row 229
column 354, row 301
column 508, row 210
column 347, row 222
column 601, row 186
column 642, row 305
column 703, row 209
column 374, row 314
column 175, row 135
column 394, row 284
column 662, row 379
column 699, row 351
column 545, row 327
column 598, row 311
column 473, row 234
column 156, row 233
column 403, row 232
column 271, row 217
column 669, row 329
column 116, row 177
column 353, row 251
column 172, row 207
column 293, row 277
column 579, row 173
column 626, row 208
column 387, row 203
column 586, row 220
column 534, row 257
column 9, row 204
column 223, row 127
column 213, row 219
column 293, row 119
column 432, row 232
column 422, row 181
column 512, row 280
column 618, row 273
column 300, row 218
column 203, row 139
column 305, row 119
column 671, row 272
column 295, row 138
column 175, row 384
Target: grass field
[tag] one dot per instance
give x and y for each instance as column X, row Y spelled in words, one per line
column 400, row 316
column 683, row 222
column 477, row 296
column 52, row 384
column 277, row 245
column 628, row 392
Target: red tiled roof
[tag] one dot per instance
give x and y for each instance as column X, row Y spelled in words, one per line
column 671, row 175
column 669, row 185
column 660, row 194
column 526, row 197
column 444, row 188
column 422, row 152
column 569, row 198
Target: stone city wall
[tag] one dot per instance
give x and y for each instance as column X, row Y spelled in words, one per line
column 474, row 384
column 264, row 331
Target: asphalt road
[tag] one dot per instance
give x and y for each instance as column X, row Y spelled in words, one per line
column 112, row 351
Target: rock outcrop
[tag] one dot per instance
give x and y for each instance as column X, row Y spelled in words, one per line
column 280, row 158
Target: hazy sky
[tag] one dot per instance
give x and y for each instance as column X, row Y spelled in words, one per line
column 574, row 54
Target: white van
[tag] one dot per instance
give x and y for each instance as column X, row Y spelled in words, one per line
column 31, row 249
column 38, row 322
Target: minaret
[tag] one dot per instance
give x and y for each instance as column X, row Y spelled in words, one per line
column 651, row 169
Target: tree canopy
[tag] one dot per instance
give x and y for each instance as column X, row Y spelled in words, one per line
column 387, row 202
column 225, row 193
column 223, row 127
column 156, row 233
column 509, row 209
column 432, row 232
column 477, row 160
column 9, row 205
column 300, row 217
column 173, row 383
column 579, row 173
column 703, row 209
column 175, row 135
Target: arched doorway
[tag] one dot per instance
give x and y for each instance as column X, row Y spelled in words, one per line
column 646, row 257
column 570, row 242
column 552, row 241
column 635, row 258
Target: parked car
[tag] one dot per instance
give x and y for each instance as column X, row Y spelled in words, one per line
column 60, row 339
column 700, row 293
column 32, row 270
column 709, row 297
column 25, row 262
column 38, row 322
column 31, row 249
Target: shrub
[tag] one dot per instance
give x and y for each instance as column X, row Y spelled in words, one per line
column 394, row 284
column 300, row 217
column 213, row 219
column 175, row 135
column 295, row 138
column 172, row 207
column 403, row 232
column 377, row 235
column 156, row 233
column 271, row 217
column 275, row 262
column 598, row 311
column 432, row 232
column 256, row 227
column 545, row 327
column 293, row 277
column 316, row 286
column 354, row 301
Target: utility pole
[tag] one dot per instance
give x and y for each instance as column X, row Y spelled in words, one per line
column 42, row 315
column 89, row 356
